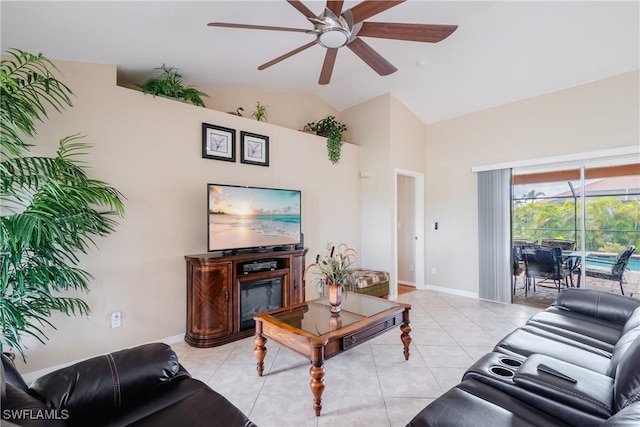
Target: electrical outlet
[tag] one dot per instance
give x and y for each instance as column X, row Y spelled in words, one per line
column 116, row 319
column 433, row 270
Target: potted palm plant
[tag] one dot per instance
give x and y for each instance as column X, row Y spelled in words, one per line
column 332, row 129
column 51, row 208
column 169, row 84
column 333, row 272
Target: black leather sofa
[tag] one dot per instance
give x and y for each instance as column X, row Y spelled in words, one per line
column 140, row 386
column 575, row 364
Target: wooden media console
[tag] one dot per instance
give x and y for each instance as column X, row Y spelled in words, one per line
column 225, row 291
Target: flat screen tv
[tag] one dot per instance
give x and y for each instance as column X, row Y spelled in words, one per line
column 252, row 217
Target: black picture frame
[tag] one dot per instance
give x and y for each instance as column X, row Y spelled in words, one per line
column 218, row 143
column 254, row 149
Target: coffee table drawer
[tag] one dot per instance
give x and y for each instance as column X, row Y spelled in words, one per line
column 370, row 332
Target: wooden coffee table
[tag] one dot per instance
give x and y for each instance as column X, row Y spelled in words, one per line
column 312, row 330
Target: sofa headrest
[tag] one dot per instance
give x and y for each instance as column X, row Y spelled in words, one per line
column 627, row 381
column 107, row 382
column 601, row 305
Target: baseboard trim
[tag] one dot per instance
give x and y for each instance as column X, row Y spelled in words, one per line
column 457, row 292
column 175, row 339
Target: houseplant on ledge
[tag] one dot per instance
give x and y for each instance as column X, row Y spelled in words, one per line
column 169, row 84
column 332, row 129
column 51, row 209
column 332, row 270
column 262, row 112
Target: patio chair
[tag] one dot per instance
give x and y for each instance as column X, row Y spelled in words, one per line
column 517, row 261
column 545, row 263
column 517, row 266
column 616, row 271
column 567, row 246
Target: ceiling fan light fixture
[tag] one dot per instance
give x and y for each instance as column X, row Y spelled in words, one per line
column 334, row 28
column 333, row 38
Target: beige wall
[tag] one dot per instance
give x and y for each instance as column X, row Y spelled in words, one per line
column 290, row 110
column 596, row 116
column 369, row 128
column 408, row 149
column 287, row 109
column 391, row 138
column 407, row 141
column 150, row 149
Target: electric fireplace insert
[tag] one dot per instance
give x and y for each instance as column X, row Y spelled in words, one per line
column 257, row 296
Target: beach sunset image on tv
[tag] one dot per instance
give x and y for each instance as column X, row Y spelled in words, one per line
column 250, row 217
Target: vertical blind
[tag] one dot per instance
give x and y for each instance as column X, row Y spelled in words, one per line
column 494, row 235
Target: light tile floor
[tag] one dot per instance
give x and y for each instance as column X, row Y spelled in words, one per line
column 370, row 385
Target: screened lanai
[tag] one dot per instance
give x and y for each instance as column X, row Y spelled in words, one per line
column 592, row 214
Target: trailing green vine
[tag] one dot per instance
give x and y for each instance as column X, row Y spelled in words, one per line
column 332, row 129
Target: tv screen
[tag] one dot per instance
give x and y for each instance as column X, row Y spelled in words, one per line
column 252, row 217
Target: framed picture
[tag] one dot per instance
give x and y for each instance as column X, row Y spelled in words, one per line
column 254, row 149
column 218, row 143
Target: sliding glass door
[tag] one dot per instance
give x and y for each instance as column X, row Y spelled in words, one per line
column 612, row 197
column 594, row 210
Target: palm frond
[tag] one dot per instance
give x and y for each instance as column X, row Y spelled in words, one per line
column 51, row 209
column 27, row 88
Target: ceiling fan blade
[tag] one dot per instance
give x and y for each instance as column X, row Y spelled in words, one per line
column 371, row 57
column 369, row 8
column 255, row 27
column 413, row 32
column 327, row 66
column 335, row 6
column 302, row 8
column 286, row 55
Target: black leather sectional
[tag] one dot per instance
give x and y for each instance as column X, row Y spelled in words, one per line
column 140, row 386
column 575, row 364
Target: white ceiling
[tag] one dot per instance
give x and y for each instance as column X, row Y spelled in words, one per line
column 502, row 51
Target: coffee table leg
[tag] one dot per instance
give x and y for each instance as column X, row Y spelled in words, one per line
column 317, row 378
column 405, row 337
column 260, row 349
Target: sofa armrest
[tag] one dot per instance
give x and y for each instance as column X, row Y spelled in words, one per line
column 601, row 305
column 107, row 382
column 19, row 408
column 582, row 389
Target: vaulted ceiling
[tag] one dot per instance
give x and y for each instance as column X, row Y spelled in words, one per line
column 501, row 52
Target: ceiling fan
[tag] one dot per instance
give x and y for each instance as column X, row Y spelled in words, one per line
column 335, row 28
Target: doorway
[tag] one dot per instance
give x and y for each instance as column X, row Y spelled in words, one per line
column 409, row 228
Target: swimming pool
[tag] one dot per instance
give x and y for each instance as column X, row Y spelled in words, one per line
column 607, row 260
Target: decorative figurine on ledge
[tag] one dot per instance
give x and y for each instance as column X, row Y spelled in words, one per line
column 238, row 112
